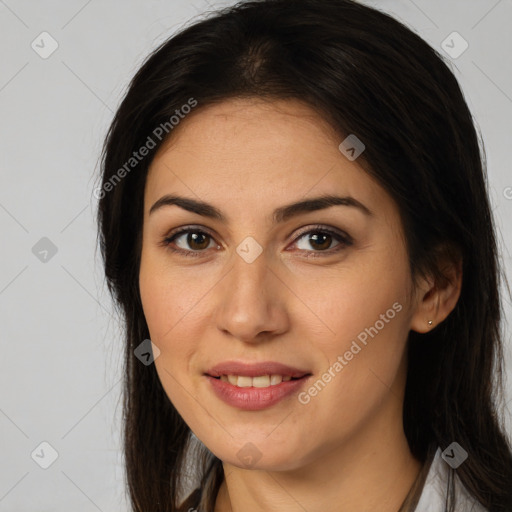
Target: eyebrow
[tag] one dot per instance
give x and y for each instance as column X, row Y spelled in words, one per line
column 281, row 214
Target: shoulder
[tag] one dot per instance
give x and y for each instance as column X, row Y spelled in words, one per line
column 434, row 493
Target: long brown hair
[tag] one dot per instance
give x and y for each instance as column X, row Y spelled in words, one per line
column 368, row 75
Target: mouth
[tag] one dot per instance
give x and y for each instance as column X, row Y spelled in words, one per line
column 260, row 381
column 255, row 386
column 251, row 369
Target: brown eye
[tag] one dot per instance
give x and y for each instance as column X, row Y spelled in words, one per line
column 320, row 240
column 189, row 241
column 197, row 240
column 194, row 242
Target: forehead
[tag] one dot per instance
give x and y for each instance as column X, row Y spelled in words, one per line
column 252, row 152
column 251, row 128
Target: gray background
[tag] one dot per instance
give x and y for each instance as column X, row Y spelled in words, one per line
column 61, row 352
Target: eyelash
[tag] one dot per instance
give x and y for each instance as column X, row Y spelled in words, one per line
column 343, row 239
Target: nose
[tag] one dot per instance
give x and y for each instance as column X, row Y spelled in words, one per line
column 251, row 302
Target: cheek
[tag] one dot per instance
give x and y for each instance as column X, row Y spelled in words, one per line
column 365, row 310
column 166, row 295
column 165, row 304
column 357, row 381
column 348, row 302
column 172, row 305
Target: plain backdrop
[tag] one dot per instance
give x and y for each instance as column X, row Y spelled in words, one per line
column 61, row 352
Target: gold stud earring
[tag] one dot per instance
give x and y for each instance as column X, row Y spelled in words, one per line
column 430, row 322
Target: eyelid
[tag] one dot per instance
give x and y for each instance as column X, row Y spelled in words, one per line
column 181, row 230
column 324, row 228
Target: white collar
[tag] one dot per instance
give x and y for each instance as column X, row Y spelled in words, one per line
column 433, row 496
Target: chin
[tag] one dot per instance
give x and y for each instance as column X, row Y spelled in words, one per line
column 264, row 456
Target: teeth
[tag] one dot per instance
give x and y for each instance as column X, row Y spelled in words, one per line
column 262, row 381
column 244, row 382
column 275, row 379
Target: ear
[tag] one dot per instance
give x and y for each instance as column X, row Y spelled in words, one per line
column 436, row 300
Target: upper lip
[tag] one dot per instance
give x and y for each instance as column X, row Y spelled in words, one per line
column 255, row 369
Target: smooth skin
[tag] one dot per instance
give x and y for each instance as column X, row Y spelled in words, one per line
column 345, row 450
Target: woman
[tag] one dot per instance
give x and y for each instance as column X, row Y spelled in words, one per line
column 293, row 210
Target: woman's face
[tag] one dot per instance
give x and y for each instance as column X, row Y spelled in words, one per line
column 253, row 287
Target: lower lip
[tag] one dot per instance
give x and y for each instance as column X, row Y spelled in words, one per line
column 251, row 398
